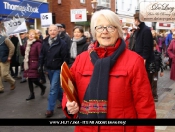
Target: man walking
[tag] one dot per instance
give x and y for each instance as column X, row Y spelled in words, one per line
column 6, row 52
column 53, row 54
column 144, row 45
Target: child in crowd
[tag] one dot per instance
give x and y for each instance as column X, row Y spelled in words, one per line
column 158, row 66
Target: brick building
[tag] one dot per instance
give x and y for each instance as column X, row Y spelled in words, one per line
column 61, row 12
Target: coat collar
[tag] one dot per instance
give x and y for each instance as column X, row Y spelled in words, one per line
column 57, row 40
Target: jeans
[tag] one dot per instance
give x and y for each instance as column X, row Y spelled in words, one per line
column 54, row 76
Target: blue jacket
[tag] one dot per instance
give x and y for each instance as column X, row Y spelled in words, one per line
column 168, row 39
column 53, row 56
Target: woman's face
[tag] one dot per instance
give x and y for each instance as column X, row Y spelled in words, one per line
column 77, row 33
column 31, row 35
column 106, row 38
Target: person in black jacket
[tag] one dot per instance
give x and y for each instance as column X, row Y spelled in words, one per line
column 144, row 44
column 158, row 67
column 64, row 36
column 15, row 58
column 132, row 39
column 78, row 44
column 53, row 54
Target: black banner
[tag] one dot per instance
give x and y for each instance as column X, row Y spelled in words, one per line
column 84, row 122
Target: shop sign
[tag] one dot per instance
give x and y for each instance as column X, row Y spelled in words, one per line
column 23, row 8
column 158, row 11
column 78, row 15
column 164, row 25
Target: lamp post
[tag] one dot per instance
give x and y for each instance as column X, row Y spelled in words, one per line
column 94, row 5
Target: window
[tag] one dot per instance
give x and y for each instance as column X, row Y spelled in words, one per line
column 106, row 3
column 82, row 1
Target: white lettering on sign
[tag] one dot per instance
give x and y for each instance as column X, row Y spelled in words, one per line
column 27, row 8
column 46, row 19
column 77, row 11
column 15, row 26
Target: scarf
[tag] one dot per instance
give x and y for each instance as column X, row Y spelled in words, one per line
column 51, row 40
column 94, row 104
column 73, row 48
column 27, row 51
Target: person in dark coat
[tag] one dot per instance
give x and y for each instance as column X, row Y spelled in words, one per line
column 158, row 67
column 78, row 44
column 32, row 51
column 42, row 78
column 131, row 44
column 64, row 36
column 15, row 58
column 40, row 34
column 144, row 44
column 53, row 53
column 21, row 55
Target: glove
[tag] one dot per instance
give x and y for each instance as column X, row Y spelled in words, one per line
column 40, row 69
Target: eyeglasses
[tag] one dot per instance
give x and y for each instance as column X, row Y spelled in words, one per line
column 100, row 29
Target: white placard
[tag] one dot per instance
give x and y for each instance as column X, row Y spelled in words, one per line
column 46, row 19
column 78, row 15
column 15, row 26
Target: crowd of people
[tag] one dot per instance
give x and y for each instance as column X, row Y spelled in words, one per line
column 115, row 71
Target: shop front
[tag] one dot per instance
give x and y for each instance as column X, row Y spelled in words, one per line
column 28, row 9
column 164, row 27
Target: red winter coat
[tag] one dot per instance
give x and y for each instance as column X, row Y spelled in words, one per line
column 127, row 39
column 171, row 53
column 32, row 72
column 129, row 92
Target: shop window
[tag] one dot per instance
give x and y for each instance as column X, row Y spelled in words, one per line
column 82, row 1
column 105, row 3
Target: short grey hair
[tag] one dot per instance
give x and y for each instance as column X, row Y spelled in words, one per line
column 110, row 16
column 53, row 25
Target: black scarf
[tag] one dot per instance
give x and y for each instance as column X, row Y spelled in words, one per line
column 94, row 105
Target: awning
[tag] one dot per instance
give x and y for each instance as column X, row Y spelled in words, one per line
column 23, row 8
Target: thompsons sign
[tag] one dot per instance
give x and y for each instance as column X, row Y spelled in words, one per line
column 23, row 8
column 163, row 11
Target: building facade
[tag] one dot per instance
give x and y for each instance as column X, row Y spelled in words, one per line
column 28, row 9
column 125, row 10
column 61, row 11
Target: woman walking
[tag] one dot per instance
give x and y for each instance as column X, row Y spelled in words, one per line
column 171, row 53
column 78, row 45
column 32, row 51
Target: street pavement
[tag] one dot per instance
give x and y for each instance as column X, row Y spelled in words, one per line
column 14, row 105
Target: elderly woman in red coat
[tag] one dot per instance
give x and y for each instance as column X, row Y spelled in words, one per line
column 32, row 51
column 111, row 80
column 171, row 53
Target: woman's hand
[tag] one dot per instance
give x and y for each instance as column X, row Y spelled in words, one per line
column 72, row 107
